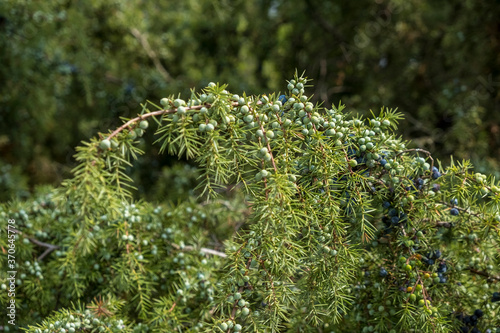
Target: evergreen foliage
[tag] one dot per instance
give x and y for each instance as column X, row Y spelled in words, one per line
column 307, row 219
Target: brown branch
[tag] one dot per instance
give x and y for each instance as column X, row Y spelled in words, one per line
column 158, row 113
column 49, row 247
column 493, row 277
column 173, row 307
column 465, row 210
column 136, row 119
column 419, row 150
column 439, row 224
column 151, row 54
column 443, row 224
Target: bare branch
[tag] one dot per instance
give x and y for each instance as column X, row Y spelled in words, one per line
column 157, row 113
column 151, row 54
column 493, row 277
column 49, row 247
column 444, row 224
column 212, row 252
column 203, row 249
column 419, row 150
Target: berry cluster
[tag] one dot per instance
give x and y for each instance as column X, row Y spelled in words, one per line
column 392, row 217
column 470, row 322
column 454, row 210
column 33, row 269
column 65, row 322
column 435, row 173
column 430, row 259
column 136, row 130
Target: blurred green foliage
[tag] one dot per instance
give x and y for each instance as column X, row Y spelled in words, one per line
column 70, row 68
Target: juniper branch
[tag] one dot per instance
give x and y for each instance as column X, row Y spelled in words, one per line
column 50, row 247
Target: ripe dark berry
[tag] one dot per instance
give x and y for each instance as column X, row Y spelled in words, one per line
column 351, row 151
column 383, row 272
column 454, row 201
column 442, row 268
column 454, row 211
column 437, row 254
column 386, row 204
column 436, row 175
column 394, row 220
column 383, row 162
column 495, row 297
column 436, row 187
column 478, row 313
column 282, row 99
